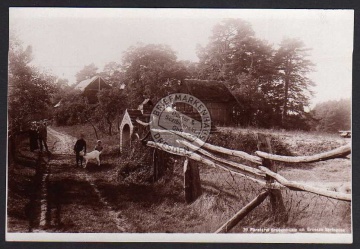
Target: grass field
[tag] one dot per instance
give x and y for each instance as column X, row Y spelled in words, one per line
column 125, row 187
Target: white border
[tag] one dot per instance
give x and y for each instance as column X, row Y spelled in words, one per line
column 178, row 237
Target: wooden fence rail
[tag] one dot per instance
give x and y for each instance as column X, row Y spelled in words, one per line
column 242, row 213
column 264, row 173
column 200, row 143
column 336, row 153
column 303, row 187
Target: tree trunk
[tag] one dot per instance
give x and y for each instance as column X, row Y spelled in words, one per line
column 97, row 137
column 286, row 93
column 110, row 126
column 286, row 96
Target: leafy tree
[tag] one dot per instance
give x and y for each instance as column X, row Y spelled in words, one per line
column 112, row 74
column 191, row 69
column 333, row 116
column 30, row 91
column 268, row 84
column 291, row 60
column 86, row 73
column 70, row 112
column 112, row 102
column 62, row 88
column 236, row 56
column 233, row 50
column 151, row 71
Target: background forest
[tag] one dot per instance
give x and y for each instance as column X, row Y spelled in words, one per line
column 270, row 83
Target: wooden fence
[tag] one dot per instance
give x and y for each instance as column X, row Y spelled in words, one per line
column 264, row 172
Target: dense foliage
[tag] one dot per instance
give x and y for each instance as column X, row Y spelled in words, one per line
column 151, row 71
column 30, row 91
column 333, row 116
column 270, row 84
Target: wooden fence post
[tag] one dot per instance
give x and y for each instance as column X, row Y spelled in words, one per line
column 276, row 200
column 159, row 164
column 192, row 185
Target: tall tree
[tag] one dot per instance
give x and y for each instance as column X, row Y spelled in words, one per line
column 113, row 74
column 230, row 38
column 291, row 60
column 151, row 71
column 86, row 73
column 112, row 102
column 30, row 91
column 236, row 56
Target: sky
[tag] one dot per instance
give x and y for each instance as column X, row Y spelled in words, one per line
column 64, row 40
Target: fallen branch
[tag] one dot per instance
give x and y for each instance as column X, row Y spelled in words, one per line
column 200, row 143
column 242, row 213
column 303, row 187
column 339, row 152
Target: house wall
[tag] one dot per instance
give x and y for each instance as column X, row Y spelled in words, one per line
column 220, row 112
column 92, row 89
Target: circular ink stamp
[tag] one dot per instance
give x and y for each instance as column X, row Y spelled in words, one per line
column 180, row 123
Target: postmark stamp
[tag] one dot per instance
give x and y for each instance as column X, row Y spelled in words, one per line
column 179, row 119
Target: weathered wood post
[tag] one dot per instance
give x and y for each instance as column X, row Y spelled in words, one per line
column 159, row 164
column 192, row 185
column 276, row 200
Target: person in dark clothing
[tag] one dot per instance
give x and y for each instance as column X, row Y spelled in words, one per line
column 80, row 145
column 33, row 137
column 42, row 136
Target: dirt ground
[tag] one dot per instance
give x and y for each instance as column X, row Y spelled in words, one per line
column 80, row 203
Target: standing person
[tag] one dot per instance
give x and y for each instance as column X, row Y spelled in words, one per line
column 33, row 137
column 80, row 145
column 42, row 136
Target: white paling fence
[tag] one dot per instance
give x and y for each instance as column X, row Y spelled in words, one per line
column 262, row 171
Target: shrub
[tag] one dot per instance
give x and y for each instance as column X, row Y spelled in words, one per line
column 246, row 141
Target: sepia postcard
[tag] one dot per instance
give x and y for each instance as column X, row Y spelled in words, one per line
column 179, row 125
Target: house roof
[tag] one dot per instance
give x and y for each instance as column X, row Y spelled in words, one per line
column 209, row 90
column 83, row 84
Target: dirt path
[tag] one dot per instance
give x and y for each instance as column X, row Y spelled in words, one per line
column 75, row 203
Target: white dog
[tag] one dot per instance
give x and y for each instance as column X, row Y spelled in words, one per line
column 92, row 155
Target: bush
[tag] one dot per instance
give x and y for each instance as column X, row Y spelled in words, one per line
column 246, row 141
column 136, row 164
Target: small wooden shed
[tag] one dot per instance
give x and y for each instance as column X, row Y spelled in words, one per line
column 215, row 95
column 90, row 88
